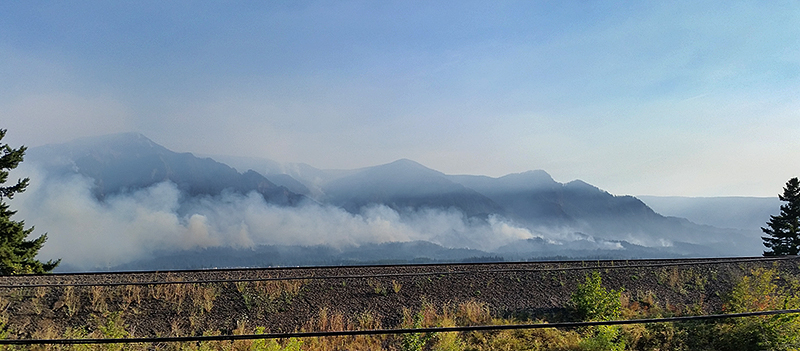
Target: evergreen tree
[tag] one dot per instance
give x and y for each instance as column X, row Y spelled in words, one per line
column 17, row 255
column 783, row 232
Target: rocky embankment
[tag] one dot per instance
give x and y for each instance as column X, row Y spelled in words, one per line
column 294, row 299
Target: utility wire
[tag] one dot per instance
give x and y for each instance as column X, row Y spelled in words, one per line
column 393, row 275
column 386, row 331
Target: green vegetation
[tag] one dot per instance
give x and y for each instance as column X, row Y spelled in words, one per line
column 681, row 281
column 592, row 302
column 17, row 255
column 783, row 230
column 762, row 290
column 415, row 341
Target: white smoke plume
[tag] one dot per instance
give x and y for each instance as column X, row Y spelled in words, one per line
column 87, row 233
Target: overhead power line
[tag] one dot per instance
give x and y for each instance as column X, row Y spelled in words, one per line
column 386, row 331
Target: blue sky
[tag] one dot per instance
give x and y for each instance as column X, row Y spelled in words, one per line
column 692, row 98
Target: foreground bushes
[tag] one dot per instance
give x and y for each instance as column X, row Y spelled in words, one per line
column 762, row 290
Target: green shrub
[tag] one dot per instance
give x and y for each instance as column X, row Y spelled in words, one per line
column 293, row 344
column 603, row 338
column 593, row 302
column 759, row 291
column 416, row 341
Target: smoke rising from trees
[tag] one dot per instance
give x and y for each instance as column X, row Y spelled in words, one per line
column 87, row 233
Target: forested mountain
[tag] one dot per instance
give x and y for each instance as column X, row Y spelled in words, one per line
column 130, row 161
column 305, row 209
column 534, row 200
column 405, row 185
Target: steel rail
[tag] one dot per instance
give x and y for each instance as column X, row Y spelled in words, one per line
column 362, row 266
column 393, row 275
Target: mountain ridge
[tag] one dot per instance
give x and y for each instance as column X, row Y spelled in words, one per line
column 128, row 161
column 525, row 211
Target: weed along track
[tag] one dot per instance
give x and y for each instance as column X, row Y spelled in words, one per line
column 229, row 301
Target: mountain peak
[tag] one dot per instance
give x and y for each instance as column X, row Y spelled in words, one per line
column 113, row 138
column 405, row 184
column 402, row 169
column 405, row 163
column 528, row 179
column 103, row 146
column 128, row 161
column 581, row 185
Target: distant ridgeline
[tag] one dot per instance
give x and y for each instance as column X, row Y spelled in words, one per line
column 515, row 217
column 129, row 161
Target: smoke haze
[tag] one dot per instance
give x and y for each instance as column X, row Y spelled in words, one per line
column 88, row 233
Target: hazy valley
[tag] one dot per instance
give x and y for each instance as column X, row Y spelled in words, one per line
column 124, row 202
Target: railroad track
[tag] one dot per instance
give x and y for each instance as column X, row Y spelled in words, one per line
column 231, row 275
